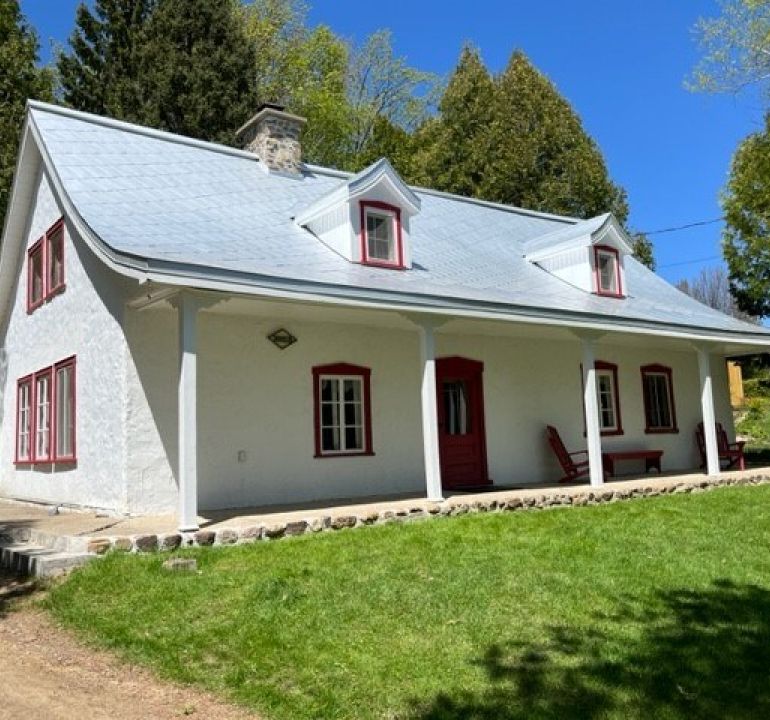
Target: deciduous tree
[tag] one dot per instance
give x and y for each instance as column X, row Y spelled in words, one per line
column 746, row 204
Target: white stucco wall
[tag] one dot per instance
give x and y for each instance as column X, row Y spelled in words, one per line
column 257, row 400
column 84, row 321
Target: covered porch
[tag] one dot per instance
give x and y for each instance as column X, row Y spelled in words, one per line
column 452, row 396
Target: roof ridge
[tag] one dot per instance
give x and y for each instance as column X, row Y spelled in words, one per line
column 142, row 130
column 342, row 174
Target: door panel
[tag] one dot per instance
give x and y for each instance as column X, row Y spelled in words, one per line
column 462, row 443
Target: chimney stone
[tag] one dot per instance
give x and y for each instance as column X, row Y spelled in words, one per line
column 273, row 136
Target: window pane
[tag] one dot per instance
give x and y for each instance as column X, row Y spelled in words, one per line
column 456, row 417
column 65, row 412
column 379, row 234
column 607, row 272
column 354, row 438
column 23, row 444
column 606, row 398
column 330, row 390
column 657, row 397
column 329, row 414
column 43, row 418
column 36, row 272
column 353, row 390
column 55, row 260
column 330, row 439
column 352, row 414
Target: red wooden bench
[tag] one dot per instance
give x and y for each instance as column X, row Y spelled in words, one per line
column 651, row 459
column 573, row 464
column 729, row 453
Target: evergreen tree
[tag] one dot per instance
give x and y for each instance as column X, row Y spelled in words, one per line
column 543, row 159
column 746, row 205
column 195, row 70
column 100, row 73
column 643, row 250
column 20, row 79
column 453, row 151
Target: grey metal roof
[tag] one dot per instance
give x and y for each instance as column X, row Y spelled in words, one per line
column 160, row 197
column 564, row 234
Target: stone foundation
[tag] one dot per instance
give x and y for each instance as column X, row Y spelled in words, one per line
column 318, row 521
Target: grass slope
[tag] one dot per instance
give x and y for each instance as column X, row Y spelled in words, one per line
column 651, row 608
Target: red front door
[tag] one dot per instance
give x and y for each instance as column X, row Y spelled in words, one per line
column 462, row 444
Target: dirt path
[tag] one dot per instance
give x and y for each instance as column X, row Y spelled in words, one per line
column 45, row 674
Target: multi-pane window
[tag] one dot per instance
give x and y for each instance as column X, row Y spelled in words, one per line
column 607, row 271
column 381, row 230
column 342, row 416
column 36, row 276
column 45, row 266
column 64, row 443
column 342, row 413
column 607, row 398
column 45, row 415
column 658, row 393
column 24, row 420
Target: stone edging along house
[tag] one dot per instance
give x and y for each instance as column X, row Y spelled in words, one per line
column 190, row 326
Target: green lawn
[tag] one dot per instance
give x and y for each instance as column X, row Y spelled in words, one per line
column 654, row 608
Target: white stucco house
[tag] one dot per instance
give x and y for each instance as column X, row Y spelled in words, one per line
column 187, row 326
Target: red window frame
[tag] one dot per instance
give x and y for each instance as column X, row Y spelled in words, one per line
column 54, row 236
column 342, row 370
column 53, row 452
column 38, row 249
column 398, row 263
column 613, row 368
column 57, row 456
column 44, row 247
column 29, row 382
column 656, row 369
column 606, row 249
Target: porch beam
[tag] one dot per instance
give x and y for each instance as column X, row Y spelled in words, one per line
column 707, row 410
column 429, row 411
column 591, row 407
column 187, row 398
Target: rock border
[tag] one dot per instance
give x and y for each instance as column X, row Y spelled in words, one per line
column 419, row 509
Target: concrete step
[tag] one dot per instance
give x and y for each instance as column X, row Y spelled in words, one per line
column 39, row 561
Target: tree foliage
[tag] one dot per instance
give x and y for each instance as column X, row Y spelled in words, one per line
column 746, row 241
column 712, row 287
column 20, row 79
column 644, row 251
column 180, row 65
column 99, row 74
column 736, row 47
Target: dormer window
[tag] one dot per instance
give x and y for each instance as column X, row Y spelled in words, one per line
column 381, row 242
column 607, row 264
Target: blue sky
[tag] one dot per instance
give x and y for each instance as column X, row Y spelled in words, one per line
column 621, row 64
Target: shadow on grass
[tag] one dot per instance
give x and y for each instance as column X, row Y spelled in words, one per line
column 695, row 654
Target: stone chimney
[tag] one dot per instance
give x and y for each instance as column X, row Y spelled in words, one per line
column 273, row 136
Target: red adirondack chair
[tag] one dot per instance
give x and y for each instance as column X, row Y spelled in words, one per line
column 730, row 454
column 573, row 467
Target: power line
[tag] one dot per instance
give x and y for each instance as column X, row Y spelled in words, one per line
column 690, row 262
column 682, row 227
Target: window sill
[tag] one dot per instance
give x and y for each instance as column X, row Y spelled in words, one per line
column 325, row 456
column 31, row 307
column 53, row 292
column 661, row 431
column 608, row 433
column 382, row 264
column 603, row 293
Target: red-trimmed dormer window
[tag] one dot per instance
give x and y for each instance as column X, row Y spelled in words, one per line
column 35, row 275
column 381, row 241
column 607, row 271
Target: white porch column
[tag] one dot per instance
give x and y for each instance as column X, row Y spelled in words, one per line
column 591, row 406
column 429, row 411
column 187, row 513
column 707, row 410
